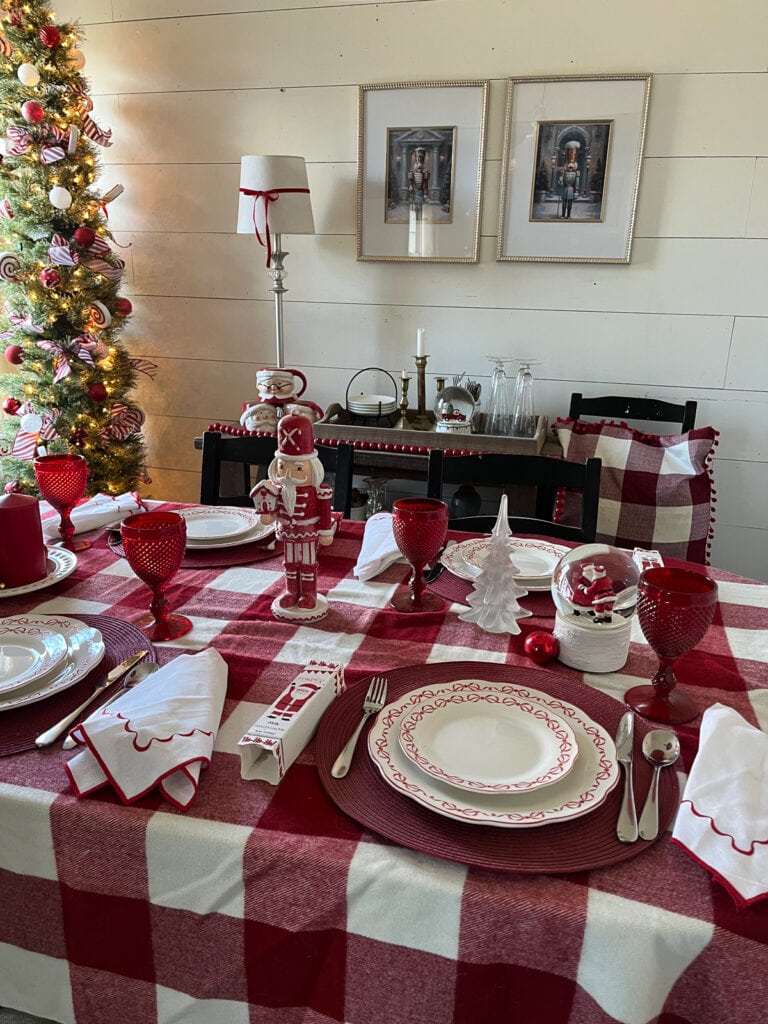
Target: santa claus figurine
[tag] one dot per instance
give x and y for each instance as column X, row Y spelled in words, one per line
column 595, row 590
column 296, row 497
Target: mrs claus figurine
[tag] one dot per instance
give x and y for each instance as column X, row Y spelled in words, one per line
column 296, row 497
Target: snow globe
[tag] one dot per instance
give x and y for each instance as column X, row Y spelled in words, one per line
column 454, row 409
column 594, row 588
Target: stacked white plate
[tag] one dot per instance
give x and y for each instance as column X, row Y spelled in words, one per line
column 494, row 754
column 534, row 560
column 43, row 654
column 372, row 405
column 59, row 564
column 222, row 526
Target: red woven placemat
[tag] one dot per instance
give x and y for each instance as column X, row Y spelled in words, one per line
column 19, row 727
column 452, row 588
column 579, row 845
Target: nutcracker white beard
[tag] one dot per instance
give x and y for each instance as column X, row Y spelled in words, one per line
column 288, row 494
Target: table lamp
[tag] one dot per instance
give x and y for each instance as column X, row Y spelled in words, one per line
column 274, row 200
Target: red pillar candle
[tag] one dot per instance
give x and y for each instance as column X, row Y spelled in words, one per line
column 22, row 549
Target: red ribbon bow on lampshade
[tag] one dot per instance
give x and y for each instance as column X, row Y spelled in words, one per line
column 269, row 196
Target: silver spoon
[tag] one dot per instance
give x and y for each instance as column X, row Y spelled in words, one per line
column 661, row 748
column 139, row 672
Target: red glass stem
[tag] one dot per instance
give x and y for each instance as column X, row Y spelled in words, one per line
column 664, row 680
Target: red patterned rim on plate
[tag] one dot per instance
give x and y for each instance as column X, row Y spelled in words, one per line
column 579, row 845
column 474, row 550
column 560, row 741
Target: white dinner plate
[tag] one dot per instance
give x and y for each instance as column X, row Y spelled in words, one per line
column 488, row 742
column 28, row 653
column 593, row 776
column 218, row 523
column 60, row 563
column 85, row 649
column 533, row 559
column 258, row 532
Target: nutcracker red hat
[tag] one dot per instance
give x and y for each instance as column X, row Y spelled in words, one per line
column 295, row 440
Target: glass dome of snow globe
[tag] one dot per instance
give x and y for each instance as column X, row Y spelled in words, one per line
column 595, row 586
column 454, row 408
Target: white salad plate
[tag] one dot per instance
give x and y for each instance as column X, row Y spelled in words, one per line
column 487, row 742
column 258, row 532
column 60, row 563
column 219, row 523
column 85, row 649
column 28, row 653
column 533, row 559
column 594, row 774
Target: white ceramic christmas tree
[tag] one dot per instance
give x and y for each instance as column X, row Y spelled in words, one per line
column 493, row 603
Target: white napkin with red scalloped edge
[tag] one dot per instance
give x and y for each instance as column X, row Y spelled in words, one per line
column 723, row 818
column 100, row 510
column 378, row 550
column 159, row 733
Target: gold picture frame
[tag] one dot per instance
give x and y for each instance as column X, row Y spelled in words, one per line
column 419, row 171
column 573, row 148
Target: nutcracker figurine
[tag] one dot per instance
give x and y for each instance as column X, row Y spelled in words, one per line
column 296, row 497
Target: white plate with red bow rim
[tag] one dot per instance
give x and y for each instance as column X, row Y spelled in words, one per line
column 488, row 742
column 593, row 776
column 216, row 526
column 28, row 653
column 60, row 563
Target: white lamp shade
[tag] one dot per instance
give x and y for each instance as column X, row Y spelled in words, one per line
column 289, row 213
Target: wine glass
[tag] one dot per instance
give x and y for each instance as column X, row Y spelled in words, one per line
column 523, row 414
column 419, row 526
column 61, row 480
column 675, row 608
column 499, row 416
column 154, row 544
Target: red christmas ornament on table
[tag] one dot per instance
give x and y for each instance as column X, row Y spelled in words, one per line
column 541, row 648
column 14, row 354
column 122, row 307
column 84, row 236
column 32, row 112
column 49, row 36
column 97, row 392
column 11, row 405
column 50, row 277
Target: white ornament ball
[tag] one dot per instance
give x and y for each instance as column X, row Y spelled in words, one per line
column 60, row 197
column 28, row 75
column 76, row 59
column 31, row 423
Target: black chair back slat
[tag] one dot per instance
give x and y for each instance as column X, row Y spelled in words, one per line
column 651, row 410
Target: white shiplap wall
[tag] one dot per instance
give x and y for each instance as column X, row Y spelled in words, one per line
column 189, row 86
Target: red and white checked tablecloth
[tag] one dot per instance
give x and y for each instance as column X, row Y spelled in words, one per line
column 268, row 904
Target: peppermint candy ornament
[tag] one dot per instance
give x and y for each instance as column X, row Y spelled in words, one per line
column 9, row 266
column 125, row 420
column 100, row 315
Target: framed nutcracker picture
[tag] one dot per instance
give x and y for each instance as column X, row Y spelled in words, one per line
column 419, row 177
column 571, row 163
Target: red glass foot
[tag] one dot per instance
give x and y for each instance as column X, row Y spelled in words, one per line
column 673, row 708
column 76, row 544
column 170, row 628
column 404, row 601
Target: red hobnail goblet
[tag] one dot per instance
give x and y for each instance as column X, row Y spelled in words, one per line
column 419, row 526
column 675, row 608
column 61, row 480
column 154, row 544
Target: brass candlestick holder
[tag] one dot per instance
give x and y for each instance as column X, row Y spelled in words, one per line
column 420, row 420
column 402, row 423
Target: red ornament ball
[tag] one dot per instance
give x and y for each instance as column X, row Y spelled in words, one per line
column 97, row 392
column 122, row 307
column 77, row 437
column 49, row 36
column 11, row 405
column 14, row 354
column 541, row 648
column 50, row 277
column 85, row 237
column 32, row 112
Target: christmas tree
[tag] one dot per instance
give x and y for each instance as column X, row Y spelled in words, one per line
column 493, row 603
column 61, row 310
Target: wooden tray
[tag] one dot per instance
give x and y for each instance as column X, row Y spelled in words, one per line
column 337, row 424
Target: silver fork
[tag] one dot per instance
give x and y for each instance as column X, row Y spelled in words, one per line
column 374, row 701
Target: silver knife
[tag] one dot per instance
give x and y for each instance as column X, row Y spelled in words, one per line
column 626, row 827
column 111, row 677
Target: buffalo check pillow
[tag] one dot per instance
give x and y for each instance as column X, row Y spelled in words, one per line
column 655, row 490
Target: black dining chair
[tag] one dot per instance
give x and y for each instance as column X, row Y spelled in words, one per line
column 547, row 475
column 651, row 410
column 259, row 451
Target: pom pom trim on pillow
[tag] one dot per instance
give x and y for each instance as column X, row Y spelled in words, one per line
column 656, row 490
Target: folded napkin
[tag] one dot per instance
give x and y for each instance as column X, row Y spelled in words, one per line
column 723, row 819
column 378, row 550
column 159, row 733
column 101, row 510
